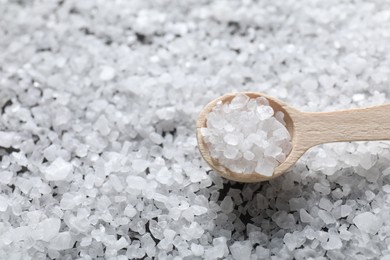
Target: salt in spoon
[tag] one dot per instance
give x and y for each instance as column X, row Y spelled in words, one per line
column 307, row 129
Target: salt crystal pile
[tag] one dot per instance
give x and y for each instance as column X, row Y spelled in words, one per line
column 98, row 156
column 246, row 135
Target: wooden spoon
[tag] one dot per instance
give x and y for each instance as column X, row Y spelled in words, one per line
column 307, row 129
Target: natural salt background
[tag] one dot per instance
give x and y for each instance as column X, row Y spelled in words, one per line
column 98, row 151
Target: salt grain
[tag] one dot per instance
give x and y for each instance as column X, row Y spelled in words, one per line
column 58, row 170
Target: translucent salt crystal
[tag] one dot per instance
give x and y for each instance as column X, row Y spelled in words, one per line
column 3, row 203
column 156, row 138
column 345, row 210
column 280, row 117
column 262, row 101
column 140, row 165
column 305, row 216
column 121, row 243
column 102, row 125
column 248, row 155
column 7, row 139
column 5, row 177
column 197, row 250
column 297, row 204
column 239, row 101
column 326, row 217
column 229, row 128
column 227, row 204
column 333, row 243
column 169, row 235
column 47, row 229
column 61, row 241
column 107, row 73
column 136, row 182
column 58, row 170
column 264, row 112
column 218, row 250
column 194, row 231
column 241, row 250
column 290, row 241
column 231, row 139
column 272, row 151
column 230, row 152
column 368, row 222
column 265, row 168
column 251, row 105
column 386, row 188
column 325, row 204
column 284, row 220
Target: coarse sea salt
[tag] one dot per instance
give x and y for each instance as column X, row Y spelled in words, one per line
column 245, row 135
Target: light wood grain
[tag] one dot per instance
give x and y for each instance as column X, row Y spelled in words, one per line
column 306, row 130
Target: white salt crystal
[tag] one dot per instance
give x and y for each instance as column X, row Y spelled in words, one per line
column 156, row 138
column 231, row 139
column 326, row 217
column 47, row 229
column 386, row 188
column 264, row 112
column 248, row 155
column 136, row 182
column 58, row 170
column 345, row 210
column 3, row 203
column 227, row 204
column 333, row 243
column 102, row 126
column 239, row 101
column 5, row 177
column 305, row 216
column 265, row 168
column 107, row 73
column 241, row 250
column 61, row 241
column 230, row 152
column 325, row 204
column 197, row 250
column 140, row 165
column 368, row 222
column 283, row 220
column 290, row 241
column 7, row 139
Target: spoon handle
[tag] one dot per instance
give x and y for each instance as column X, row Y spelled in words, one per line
column 363, row 124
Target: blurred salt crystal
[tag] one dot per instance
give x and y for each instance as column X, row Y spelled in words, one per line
column 47, row 229
column 61, row 241
column 5, row 177
column 140, row 165
column 227, row 205
column 368, row 222
column 3, row 203
column 7, row 139
column 136, row 182
column 58, row 170
column 241, row 250
column 102, row 125
column 107, row 73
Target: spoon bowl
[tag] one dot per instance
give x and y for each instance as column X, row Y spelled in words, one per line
column 306, row 129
